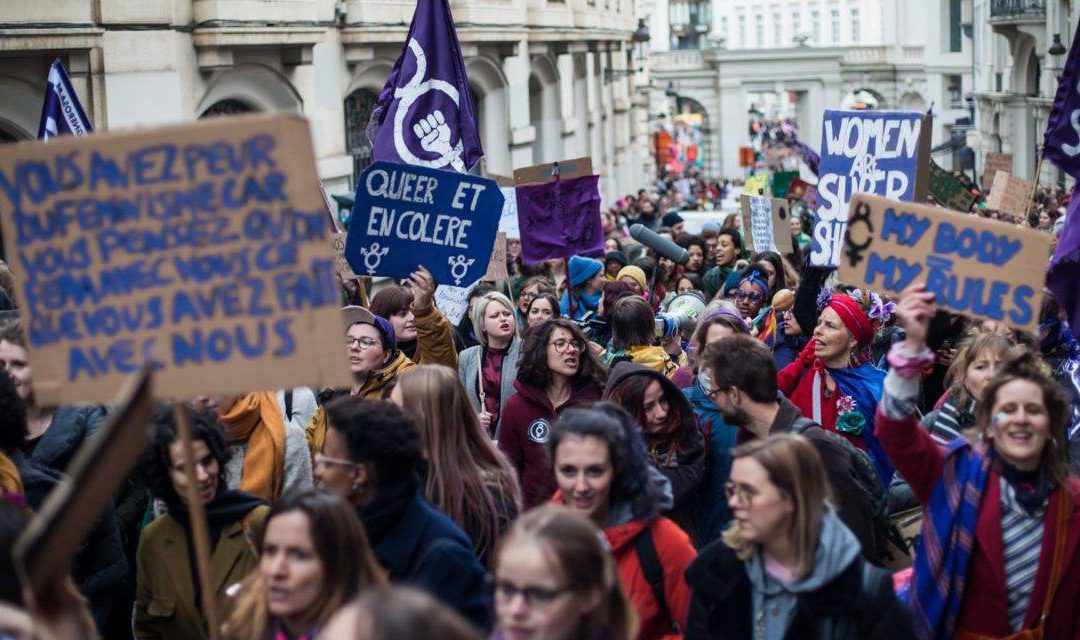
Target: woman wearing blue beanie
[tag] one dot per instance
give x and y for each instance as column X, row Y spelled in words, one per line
column 585, row 278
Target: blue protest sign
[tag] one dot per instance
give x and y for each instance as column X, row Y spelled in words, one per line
column 405, row 215
column 877, row 152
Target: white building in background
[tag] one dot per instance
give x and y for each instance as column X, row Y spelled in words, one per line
column 1016, row 75
column 550, row 77
column 725, row 57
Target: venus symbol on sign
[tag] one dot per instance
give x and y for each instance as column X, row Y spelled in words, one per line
column 373, row 255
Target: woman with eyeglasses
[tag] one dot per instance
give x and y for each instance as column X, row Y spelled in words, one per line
column 752, row 292
column 465, row 476
column 488, row 370
column 787, row 567
column 167, row 593
column 1003, row 561
column 557, row 371
column 313, row 557
column 555, row 580
column 602, row 470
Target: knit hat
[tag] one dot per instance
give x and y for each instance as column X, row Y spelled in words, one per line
column 617, row 256
column 671, row 219
column 731, row 283
column 636, row 273
column 582, row 268
column 354, row 314
column 853, row 317
column 710, row 227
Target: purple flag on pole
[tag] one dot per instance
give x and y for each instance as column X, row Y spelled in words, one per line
column 809, row 156
column 560, row 219
column 424, row 115
column 1061, row 142
column 1064, row 272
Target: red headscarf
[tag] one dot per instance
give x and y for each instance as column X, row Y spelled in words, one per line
column 853, row 317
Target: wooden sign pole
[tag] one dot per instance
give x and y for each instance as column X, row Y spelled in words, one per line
column 1034, row 184
column 199, row 528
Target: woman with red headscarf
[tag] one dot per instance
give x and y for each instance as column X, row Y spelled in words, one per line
column 832, row 381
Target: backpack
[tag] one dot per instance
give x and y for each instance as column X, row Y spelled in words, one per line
column 654, row 573
column 866, row 478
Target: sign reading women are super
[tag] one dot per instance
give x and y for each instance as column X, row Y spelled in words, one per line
column 876, row 152
column 405, row 215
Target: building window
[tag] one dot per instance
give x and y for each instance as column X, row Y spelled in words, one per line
column 724, row 27
column 742, row 31
column 955, row 17
column 778, row 30
column 358, row 107
column 690, row 23
column 834, row 24
column 227, row 107
column 796, row 21
column 856, row 28
column 954, row 88
column 815, row 25
column 759, row 30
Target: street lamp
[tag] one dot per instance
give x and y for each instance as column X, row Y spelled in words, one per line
column 639, row 38
column 1056, row 50
column 670, row 91
column 642, row 32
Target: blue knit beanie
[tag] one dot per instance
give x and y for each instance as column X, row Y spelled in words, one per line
column 582, row 268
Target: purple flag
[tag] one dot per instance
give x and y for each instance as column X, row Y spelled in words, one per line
column 560, row 219
column 809, row 156
column 1064, row 272
column 424, row 115
column 1061, row 142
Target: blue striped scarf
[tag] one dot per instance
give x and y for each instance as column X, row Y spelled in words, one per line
column 943, row 552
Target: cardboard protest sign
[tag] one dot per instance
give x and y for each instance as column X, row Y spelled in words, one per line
column 765, row 223
column 560, row 219
column 1009, row 194
column 508, row 221
column 45, row 548
column 551, row 171
column 992, row 163
column 948, row 190
column 406, row 215
column 757, row 184
column 199, row 250
column 977, row 267
column 337, row 242
column 878, row 152
column 496, row 269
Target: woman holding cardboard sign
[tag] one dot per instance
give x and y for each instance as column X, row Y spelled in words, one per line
column 1003, row 561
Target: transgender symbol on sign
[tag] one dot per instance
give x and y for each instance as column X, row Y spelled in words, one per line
column 459, row 266
column 432, row 129
column 373, row 255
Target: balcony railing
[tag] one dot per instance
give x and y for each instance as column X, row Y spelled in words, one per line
column 1017, row 9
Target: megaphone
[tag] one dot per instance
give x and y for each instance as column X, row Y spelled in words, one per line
column 681, row 315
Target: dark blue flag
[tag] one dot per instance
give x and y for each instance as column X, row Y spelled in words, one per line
column 424, row 115
column 61, row 112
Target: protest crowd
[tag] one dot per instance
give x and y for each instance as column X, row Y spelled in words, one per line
column 635, row 426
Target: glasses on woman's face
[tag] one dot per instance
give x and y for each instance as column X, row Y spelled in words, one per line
column 363, row 342
column 562, row 345
column 535, row 597
column 528, row 295
column 753, row 297
column 744, row 493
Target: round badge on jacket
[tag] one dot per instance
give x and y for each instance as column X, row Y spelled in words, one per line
column 539, row 431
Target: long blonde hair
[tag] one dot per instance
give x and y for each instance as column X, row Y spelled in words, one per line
column 572, row 546
column 349, row 565
column 795, row 468
column 468, row 479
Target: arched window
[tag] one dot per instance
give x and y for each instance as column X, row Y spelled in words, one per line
column 358, row 108
column 227, row 107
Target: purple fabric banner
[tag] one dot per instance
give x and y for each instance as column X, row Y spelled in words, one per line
column 424, row 115
column 809, row 156
column 1064, row 271
column 560, row 219
column 1061, row 142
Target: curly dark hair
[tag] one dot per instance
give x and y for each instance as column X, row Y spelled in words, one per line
column 13, row 426
column 378, row 434
column 533, row 367
column 631, row 482
column 157, row 463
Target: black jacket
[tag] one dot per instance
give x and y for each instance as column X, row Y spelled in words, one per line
column 851, row 607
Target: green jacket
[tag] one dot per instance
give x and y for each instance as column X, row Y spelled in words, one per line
column 165, row 596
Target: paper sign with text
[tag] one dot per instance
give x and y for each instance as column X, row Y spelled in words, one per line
column 508, row 222
column 992, row 163
column 405, row 215
column 977, row 267
column 199, row 250
column 453, row 301
column 766, row 225
column 337, row 241
column 878, row 152
column 1009, row 194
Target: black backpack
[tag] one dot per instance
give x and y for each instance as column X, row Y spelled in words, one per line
column 654, row 573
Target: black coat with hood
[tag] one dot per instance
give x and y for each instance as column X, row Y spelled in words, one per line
column 685, row 466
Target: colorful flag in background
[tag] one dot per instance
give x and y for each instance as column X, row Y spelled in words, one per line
column 424, row 114
column 61, row 113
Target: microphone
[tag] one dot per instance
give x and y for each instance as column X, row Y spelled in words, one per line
column 663, row 246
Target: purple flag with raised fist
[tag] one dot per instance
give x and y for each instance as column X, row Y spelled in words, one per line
column 1061, row 142
column 560, row 219
column 1064, row 271
column 424, row 115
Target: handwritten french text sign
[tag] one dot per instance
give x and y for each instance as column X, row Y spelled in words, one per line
column 766, row 223
column 405, row 215
column 992, row 163
column 337, row 241
column 199, row 250
column 1009, row 194
column 879, row 152
column 453, row 301
column 978, row 267
column 508, row 222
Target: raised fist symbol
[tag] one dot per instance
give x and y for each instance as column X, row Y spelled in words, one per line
column 434, row 133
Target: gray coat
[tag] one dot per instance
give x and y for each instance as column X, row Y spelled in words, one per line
column 469, row 372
